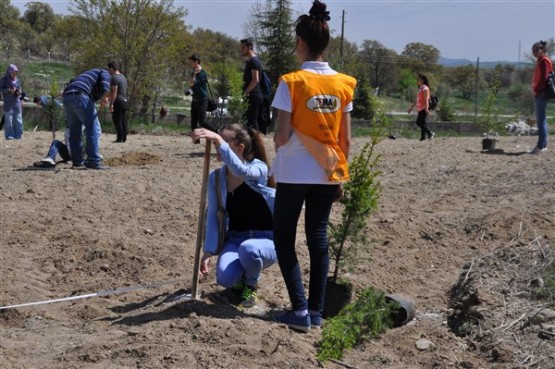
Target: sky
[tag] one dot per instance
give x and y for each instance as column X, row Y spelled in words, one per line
column 492, row 30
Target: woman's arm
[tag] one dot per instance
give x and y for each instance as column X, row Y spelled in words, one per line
column 283, row 128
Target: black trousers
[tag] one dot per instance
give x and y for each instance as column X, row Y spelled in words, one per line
column 421, row 122
column 119, row 117
column 252, row 115
column 198, row 113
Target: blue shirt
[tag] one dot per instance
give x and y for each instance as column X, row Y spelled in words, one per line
column 254, row 174
column 94, row 82
column 47, row 100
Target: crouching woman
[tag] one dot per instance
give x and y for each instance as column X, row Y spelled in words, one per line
column 239, row 192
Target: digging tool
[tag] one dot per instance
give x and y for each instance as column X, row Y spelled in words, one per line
column 201, row 219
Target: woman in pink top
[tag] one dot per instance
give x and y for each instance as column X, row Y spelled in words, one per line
column 422, row 104
column 544, row 66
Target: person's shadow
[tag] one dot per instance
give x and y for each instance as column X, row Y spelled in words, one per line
column 501, row 152
column 182, row 306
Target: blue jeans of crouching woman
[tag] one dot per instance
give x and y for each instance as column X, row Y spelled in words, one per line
column 540, row 105
column 318, row 200
column 244, row 256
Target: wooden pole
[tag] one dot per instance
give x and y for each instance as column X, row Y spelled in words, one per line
column 201, row 220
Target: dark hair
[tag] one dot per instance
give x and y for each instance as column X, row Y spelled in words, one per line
column 252, row 141
column 540, row 45
column 195, row 58
column 313, row 28
column 248, row 42
column 424, row 79
column 36, row 99
column 114, row 65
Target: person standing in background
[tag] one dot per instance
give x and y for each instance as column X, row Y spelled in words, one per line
column 79, row 98
column 251, row 86
column 544, row 66
column 10, row 87
column 312, row 141
column 118, row 101
column 198, row 88
column 422, row 107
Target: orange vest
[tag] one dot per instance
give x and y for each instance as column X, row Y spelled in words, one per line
column 318, row 103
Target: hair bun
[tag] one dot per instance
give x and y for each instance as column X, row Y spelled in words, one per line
column 319, row 12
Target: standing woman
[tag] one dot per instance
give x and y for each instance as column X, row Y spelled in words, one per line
column 312, row 143
column 422, row 107
column 10, row 87
column 539, row 80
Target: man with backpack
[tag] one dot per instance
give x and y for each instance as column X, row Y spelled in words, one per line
column 255, row 89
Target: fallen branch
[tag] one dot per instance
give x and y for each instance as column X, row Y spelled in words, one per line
column 343, row 364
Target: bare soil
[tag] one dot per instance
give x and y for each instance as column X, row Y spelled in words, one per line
column 463, row 233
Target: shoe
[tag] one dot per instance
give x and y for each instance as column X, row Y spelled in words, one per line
column 537, row 151
column 45, row 163
column 422, row 139
column 78, row 167
column 316, row 321
column 432, row 135
column 10, row 138
column 248, row 297
column 299, row 323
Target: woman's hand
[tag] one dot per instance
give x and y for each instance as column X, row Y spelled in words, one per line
column 208, row 134
column 205, row 264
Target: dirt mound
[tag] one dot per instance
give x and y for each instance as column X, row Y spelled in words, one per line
column 133, row 158
column 118, row 245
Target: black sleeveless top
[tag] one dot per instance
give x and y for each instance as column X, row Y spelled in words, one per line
column 247, row 210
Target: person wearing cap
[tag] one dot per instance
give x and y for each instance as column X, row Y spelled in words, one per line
column 10, row 87
column 198, row 88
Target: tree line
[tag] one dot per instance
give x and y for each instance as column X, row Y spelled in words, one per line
column 152, row 40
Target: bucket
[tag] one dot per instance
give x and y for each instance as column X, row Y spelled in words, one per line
column 406, row 311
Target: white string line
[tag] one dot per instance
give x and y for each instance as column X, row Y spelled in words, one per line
column 94, row 294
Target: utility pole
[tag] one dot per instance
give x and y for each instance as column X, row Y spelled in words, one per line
column 342, row 32
column 519, row 52
column 477, row 88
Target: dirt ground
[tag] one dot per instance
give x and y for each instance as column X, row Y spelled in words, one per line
column 449, row 216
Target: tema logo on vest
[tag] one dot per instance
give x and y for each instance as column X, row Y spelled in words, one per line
column 324, row 103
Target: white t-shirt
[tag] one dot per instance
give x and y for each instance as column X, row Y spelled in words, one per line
column 293, row 163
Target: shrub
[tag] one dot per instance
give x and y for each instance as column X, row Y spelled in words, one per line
column 368, row 316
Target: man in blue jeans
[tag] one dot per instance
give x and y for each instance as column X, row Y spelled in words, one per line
column 79, row 99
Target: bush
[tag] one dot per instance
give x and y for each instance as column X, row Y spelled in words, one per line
column 368, row 316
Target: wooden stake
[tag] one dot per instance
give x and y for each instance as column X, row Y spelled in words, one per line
column 201, row 219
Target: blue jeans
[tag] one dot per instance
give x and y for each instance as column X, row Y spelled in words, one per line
column 58, row 147
column 13, row 124
column 80, row 111
column 244, row 256
column 540, row 105
column 318, row 200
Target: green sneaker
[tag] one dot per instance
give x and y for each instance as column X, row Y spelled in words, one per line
column 248, row 297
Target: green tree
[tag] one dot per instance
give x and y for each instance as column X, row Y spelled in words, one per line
column 40, row 16
column 143, row 34
column 420, row 58
column 380, row 64
column 276, row 40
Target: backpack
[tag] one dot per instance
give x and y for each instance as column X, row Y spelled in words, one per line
column 265, row 84
column 432, row 102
